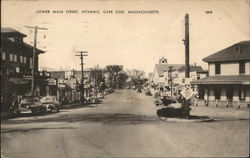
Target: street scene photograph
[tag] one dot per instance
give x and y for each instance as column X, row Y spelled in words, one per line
column 139, row 78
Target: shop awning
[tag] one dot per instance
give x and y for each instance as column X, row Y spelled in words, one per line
column 223, row 80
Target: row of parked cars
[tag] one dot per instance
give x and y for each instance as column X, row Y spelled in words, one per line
column 160, row 99
column 37, row 105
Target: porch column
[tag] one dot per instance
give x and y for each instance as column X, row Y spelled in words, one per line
column 58, row 95
column 223, row 96
column 236, row 94
column 206, row 94
column 247, row 99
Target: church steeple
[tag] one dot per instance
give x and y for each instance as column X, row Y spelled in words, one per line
column 163, row 61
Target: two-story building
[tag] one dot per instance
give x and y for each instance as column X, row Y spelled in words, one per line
column 160, row 77
column 195, row 72
column 228, row 83
column 16, row 68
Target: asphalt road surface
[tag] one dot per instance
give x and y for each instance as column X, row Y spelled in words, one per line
column 125, row 125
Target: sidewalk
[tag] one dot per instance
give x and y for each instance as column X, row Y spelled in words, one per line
column 221, row 113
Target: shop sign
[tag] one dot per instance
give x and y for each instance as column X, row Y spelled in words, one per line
column 27, row 77
column 52, row 82
column 17, row 81
column 187, row 93
column 61, row 85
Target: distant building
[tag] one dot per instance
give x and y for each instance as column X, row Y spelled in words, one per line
column 160, row 76
column 16, row 68
column 69, row 82
column 228, row 82
column 196, row 72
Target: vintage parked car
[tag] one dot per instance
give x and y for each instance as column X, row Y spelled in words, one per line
column 165, row 100
column 148, row 92
column 28, row 105
column 100, row 96
column 49, row 103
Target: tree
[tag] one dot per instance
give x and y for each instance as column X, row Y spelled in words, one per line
column 136, row 76
column 113, row 72
column 121, row 79
column 97, row 77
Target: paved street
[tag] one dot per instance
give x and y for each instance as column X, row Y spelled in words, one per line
column 125, row 125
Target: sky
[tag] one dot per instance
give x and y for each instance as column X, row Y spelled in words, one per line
column 133, row 40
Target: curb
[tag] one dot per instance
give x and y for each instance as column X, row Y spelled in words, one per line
column 185, row 120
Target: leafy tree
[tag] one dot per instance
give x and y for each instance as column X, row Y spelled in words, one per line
column 113, row 72
column 121, row 79
column 136, row 76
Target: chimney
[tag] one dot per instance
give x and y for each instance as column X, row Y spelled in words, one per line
column 236, row 48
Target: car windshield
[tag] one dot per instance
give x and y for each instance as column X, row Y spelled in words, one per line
column 47, row 99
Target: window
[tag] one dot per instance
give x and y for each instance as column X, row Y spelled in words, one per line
column 242, row 93
column 31, row 61
column 217, row 92
column 24, row 60
column 15, row 58
column 242, row 67
column 17, row 70
column 21, row 59
column 3, row 55
column 198, row 76
column 217, row 68
column 11, row 57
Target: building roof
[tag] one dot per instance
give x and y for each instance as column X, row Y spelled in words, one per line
column 8, row 30
column 11, row 32
column 236, row 79
column 236, row 52
column 191, row 68
column 161, row 68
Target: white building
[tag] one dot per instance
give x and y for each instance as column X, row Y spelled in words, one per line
column 228, row 82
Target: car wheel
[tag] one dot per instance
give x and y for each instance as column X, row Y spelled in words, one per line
column 33, row 111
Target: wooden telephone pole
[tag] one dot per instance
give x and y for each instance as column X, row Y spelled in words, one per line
column 34, row 55
column 186, row 43
column 82, row 54
column 171, row 80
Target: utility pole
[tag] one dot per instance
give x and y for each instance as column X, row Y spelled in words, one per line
column 82, row 54
column 171, row 80
column 186, row 43
column 34, row 55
